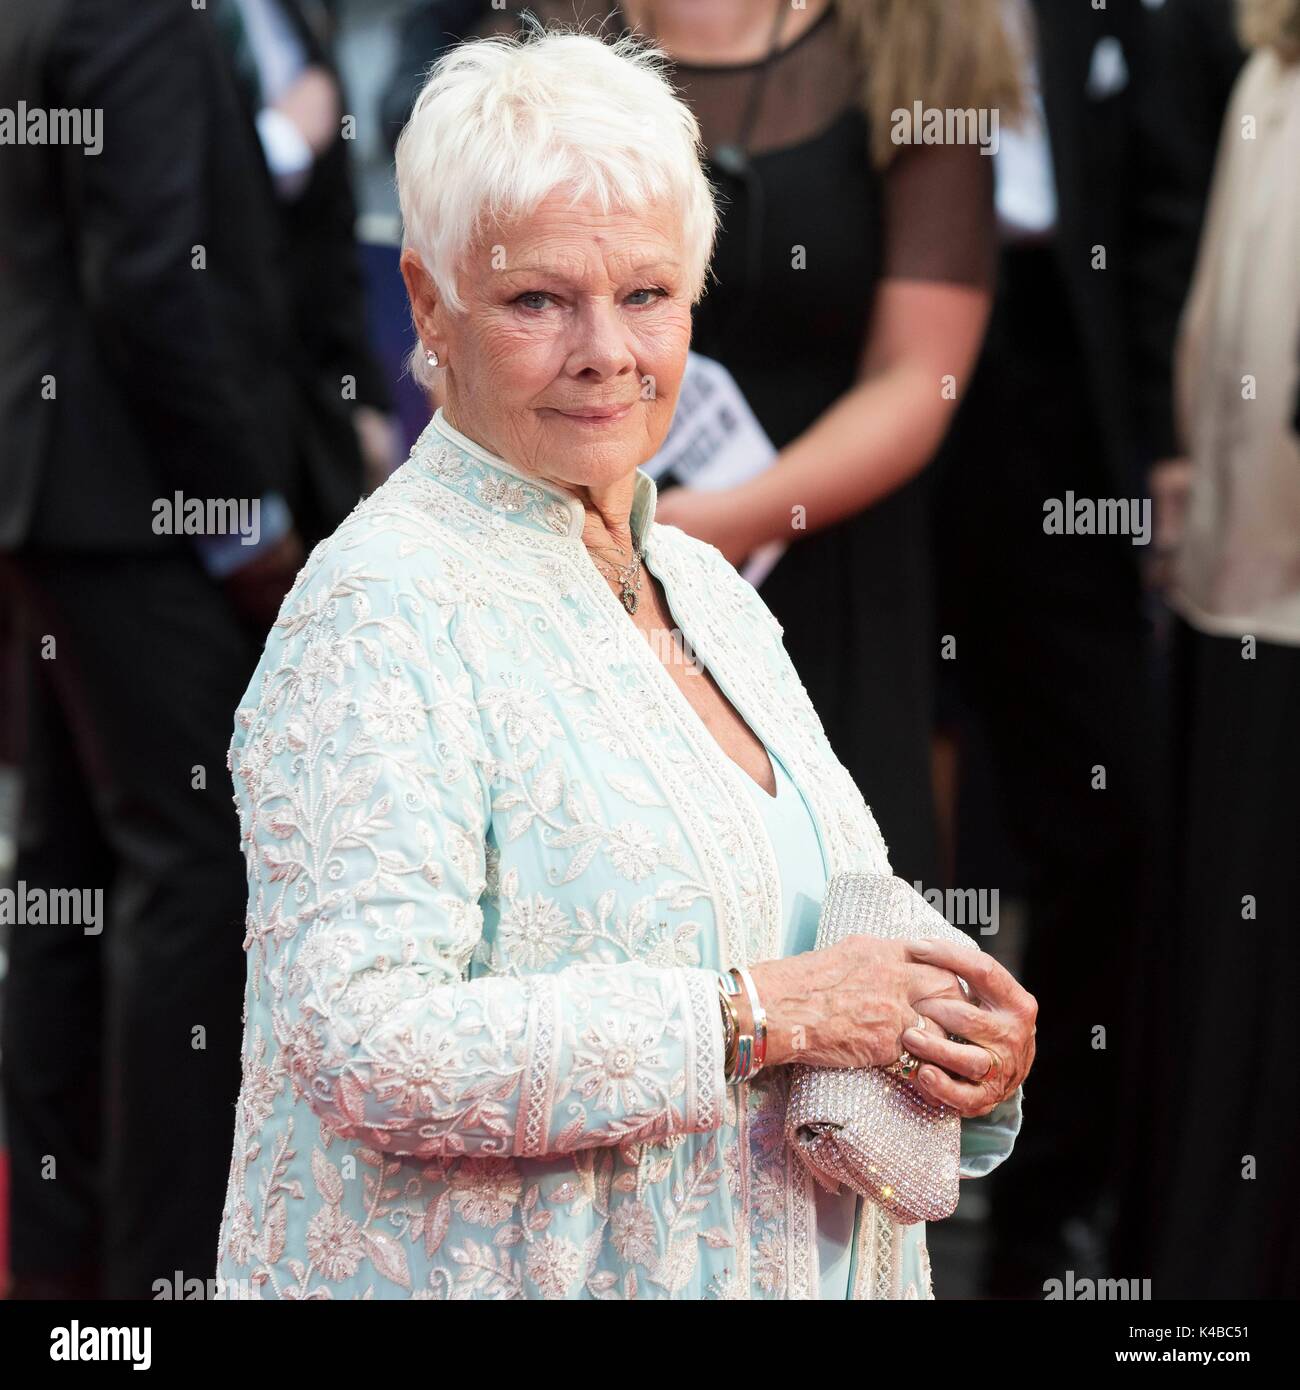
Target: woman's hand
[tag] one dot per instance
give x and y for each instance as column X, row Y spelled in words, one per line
column 718, row 517
column 998, row 1024
column 848, row 1004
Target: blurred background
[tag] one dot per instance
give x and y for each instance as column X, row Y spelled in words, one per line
column 1079, row 733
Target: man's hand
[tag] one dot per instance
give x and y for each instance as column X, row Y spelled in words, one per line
column 312, row 104
column 380, row 442
column 256, row 590
column 1170, row 482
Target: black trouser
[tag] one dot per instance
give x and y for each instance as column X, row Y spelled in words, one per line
column 1211, row 1213
column 121, row 1050
column 1052, row 667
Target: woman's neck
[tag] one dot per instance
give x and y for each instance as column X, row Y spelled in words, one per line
column 718, row 31
column 607, row 517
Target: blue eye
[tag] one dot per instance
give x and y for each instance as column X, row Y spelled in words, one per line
column 657, row 290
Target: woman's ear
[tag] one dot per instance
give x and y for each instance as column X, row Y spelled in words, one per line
column 423, row 294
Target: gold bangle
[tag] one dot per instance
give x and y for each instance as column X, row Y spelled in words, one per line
column 738, row 1042
column 730, row 1031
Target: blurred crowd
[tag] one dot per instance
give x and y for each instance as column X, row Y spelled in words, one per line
column 1079, row 567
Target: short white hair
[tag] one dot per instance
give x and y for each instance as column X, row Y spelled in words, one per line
column 504, row 122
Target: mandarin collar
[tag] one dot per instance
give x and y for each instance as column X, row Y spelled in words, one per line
column 478, row 475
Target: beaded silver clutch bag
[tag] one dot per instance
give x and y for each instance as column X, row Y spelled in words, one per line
column 867, row 1127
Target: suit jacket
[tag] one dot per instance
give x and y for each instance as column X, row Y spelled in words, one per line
column 1131, row 171
column 1195, row 59
column 326, row 303
column 494, row 861
column 140, row 285
column 428, row 30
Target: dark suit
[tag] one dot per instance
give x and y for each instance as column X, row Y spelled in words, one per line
column 172, row 372
column 333, row 368
column 1052, row 672
column 158, row 287
column 429, row 29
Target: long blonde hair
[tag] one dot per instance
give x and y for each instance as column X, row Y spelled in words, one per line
column 944, row 53
column 1271, row 24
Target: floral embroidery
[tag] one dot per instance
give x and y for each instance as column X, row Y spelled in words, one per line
column 553, row 1264
column 484, row 1191
column 534, row 933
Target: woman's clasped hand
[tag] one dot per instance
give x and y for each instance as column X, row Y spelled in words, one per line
column 864, row 1001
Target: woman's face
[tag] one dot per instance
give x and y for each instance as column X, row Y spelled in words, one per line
column 570, row 312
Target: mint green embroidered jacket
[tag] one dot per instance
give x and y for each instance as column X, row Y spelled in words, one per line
column 494, row 860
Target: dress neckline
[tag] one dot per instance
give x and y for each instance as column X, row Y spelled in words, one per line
column 766, row 797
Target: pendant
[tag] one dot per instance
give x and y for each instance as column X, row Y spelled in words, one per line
column 731, row 159
column 629, row 598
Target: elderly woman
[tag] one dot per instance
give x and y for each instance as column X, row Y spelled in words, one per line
column 524, row 778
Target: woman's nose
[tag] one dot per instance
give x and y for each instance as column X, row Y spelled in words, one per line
column 603, row 342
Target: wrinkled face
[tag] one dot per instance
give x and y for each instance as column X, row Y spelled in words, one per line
column 568, row 360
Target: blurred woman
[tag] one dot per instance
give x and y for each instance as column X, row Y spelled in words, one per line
column 853, row 281
column 1229, row 1226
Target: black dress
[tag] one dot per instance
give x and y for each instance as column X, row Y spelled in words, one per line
column 1224, row 1097
column 855, row 598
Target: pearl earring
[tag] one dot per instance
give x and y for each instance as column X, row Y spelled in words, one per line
column 431, row 357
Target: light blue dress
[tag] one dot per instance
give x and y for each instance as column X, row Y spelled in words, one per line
column 793, row 834
column 495, row 860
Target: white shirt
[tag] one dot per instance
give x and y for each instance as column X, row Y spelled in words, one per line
column 281, row 57
column 1024, row 180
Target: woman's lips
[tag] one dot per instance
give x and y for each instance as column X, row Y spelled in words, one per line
column 608, row 416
